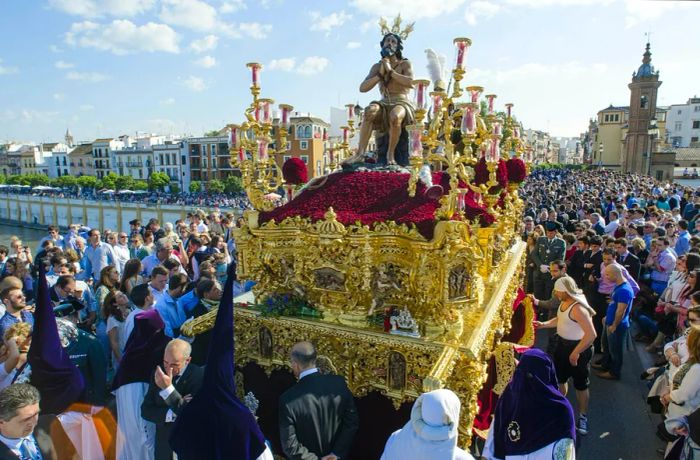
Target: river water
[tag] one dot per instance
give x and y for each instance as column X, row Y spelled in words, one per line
column 29, row 236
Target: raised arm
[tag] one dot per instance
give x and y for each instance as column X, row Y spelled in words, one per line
column 372, row 79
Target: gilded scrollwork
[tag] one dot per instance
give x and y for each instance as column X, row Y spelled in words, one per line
column 459, row 288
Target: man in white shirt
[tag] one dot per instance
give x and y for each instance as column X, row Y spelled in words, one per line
column 613, row 224
column 158, row 283
column 121, row 251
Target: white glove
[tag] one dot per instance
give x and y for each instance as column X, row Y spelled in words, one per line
column 544, row 268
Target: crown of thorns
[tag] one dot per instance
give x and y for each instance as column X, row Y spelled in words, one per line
column 396, row 28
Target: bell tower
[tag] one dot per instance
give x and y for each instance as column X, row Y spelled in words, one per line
column 69, row 138
column 639, row 144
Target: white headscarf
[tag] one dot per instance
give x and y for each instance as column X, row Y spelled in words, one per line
column 431, row 434
column 560, row 285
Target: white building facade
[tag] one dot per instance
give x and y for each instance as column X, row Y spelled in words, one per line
column 171, row 159
column 683, row 124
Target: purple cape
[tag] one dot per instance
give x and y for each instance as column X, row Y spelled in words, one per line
column 143, row 350
column 216, row 425
column 58, row 380
column 531, row 412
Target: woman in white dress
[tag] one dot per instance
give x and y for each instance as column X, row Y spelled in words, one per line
column 533, row 420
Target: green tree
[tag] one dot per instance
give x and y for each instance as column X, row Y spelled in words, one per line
column 212, row 133
column 14, row 179
column 174, row 188
column 158, row 180
column 3, row 179
column 65, row 181
column 215, row 186
column 140, row 185
column 34, row 179
column 124, row 183
column 109, row 181
column 233, row 184
column 88, row 181
column 195, row 186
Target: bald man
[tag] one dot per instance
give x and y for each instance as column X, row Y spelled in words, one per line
column 617, row 322
column 172, row 387
column 318, row 419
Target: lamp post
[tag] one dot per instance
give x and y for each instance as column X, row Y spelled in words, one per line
column 653, row 132
column 600, row 150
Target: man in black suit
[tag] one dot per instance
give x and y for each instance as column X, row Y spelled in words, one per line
column 627, row 259
column 209, row 294
column 318, row 418
column 21, row 437
column 169, row 391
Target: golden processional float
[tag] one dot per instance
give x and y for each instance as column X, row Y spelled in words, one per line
column 404, row 276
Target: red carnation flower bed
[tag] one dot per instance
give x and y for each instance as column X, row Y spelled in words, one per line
column 516, row 170
column 373, row 197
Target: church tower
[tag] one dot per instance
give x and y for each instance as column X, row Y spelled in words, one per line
column 644, row 88
column 69, row 138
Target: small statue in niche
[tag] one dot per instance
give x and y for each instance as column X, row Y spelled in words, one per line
column 397, row 371
column 384, row 284
column 457, row 282
column 404, row 324
column 265, row 342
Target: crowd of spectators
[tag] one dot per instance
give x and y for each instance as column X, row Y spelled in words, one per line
column 630, row 246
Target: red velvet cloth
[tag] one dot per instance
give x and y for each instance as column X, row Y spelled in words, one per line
column 487, row 399
column 373, row 197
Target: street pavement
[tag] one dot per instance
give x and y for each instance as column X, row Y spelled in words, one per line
column 621, row 426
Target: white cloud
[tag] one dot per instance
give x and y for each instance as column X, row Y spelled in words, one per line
column 309, row 66
column 353, row 45
column 312, row 65
column 168, row 101
column 6, row 70
column 284, row 64
column 63, row 65
column 536, row 70
column 192, row 14
column 201, row 16
column 231, row 6
column 90, row 77
column 37, row 116
column 255, row 29
column 87, row 107
column 409, row 9
column 55, row 49
column 123, row 37
column 59, row 97
column 644, row 12
column 480, row 9
column 100, row 8
column 204, row 44
column 207, row 62
column 328, row 23
column 195, row 83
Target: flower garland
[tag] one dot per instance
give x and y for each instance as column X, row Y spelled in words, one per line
column 369, row 198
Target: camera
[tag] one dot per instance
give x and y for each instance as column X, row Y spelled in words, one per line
column 68, row 306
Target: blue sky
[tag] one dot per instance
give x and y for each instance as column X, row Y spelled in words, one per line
column 109, row 67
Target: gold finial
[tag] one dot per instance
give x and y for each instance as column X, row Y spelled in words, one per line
column 396, row 28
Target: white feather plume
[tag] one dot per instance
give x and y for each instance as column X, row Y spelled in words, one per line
column 436, row 67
